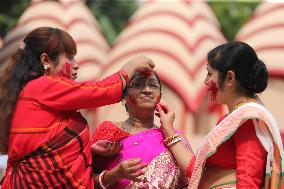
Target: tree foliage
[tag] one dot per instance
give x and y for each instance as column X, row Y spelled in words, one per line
column 232, row 15
column 10, row 11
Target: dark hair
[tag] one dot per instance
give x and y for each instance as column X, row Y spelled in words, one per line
column 24, row 66
column 239, row 57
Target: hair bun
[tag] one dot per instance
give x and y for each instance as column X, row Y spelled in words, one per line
column 259, row 77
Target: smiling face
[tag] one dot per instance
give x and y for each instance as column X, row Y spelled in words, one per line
column 143, row 91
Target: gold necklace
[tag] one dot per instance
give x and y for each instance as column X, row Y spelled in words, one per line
column 127, row 129
column 238, row 105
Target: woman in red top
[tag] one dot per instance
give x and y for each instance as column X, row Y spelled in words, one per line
column 46, row 139
column 244, row 150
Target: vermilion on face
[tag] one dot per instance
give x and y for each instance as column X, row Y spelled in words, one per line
column 212, row 90
column 67, row 67
column 66, row 70
column 144, row 90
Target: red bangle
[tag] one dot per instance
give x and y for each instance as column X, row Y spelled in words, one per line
column 125, row 75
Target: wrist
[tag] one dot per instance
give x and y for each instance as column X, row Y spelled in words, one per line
column 102, row 182
column 171, row 140
column 168, row 132
column 113, row 176
column 125, row 76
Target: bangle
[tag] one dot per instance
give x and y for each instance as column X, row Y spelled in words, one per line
column 172, row 140
column 125, row 75
column 178, row 139
column 101, row 177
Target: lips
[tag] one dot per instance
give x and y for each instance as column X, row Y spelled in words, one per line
column 146, row 97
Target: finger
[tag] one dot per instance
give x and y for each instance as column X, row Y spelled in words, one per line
column 102, row 142
column 164, row 107
column 136, row 168
column 136, row 175
column 160, row 110
column 117, row 149
column 151, row 63
column 158, row 114
column 113, row 147
column 133, row 162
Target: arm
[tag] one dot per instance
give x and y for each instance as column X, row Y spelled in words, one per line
column 63, row 94
column 250, row 157
column 183, row 155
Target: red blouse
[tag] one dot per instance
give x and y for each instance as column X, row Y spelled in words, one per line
column 108, row 131
column 243, row 152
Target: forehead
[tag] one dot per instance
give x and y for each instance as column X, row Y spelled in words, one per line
column 145, row 76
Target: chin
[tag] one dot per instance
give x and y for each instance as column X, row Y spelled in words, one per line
column 148, row 106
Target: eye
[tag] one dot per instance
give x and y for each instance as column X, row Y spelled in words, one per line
column 70, row 58
column 154, row 85
column 135, row 85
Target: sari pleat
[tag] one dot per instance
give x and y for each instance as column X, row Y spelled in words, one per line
column 52, row 166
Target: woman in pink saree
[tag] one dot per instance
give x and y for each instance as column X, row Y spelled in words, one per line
column 139, row 158
column 244, row 150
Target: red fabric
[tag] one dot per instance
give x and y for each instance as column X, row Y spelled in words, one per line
column 108, row 131
column 46, row 105
column 243, row 152
column 189, row 168
column 49, row 166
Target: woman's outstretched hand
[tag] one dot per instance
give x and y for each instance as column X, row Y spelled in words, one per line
column 167, row 117
column 105, row 148
column 138, row 64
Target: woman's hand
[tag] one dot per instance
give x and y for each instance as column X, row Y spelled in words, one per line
column 129, row 169
column 105, row 148
column 138, row 64
column 167, row 117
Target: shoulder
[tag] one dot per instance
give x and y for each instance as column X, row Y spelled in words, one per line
column 109, row 130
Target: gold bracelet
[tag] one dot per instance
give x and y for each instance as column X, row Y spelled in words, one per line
column 178, row 139
column 172, row 139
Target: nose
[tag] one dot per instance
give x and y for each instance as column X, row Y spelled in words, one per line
column 147, row 88
column 75, row 65
column 206, row 81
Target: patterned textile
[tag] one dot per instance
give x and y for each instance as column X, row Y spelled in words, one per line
column 147, row 145
column 54, row 164
column 267, row 132
column 225, row 186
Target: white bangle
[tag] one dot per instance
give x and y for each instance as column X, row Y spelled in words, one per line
column 101, row 176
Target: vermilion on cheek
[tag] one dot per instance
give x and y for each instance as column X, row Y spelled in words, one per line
column 66, row 70
column 158, row 99
column 132, row 99
column 212, row 88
